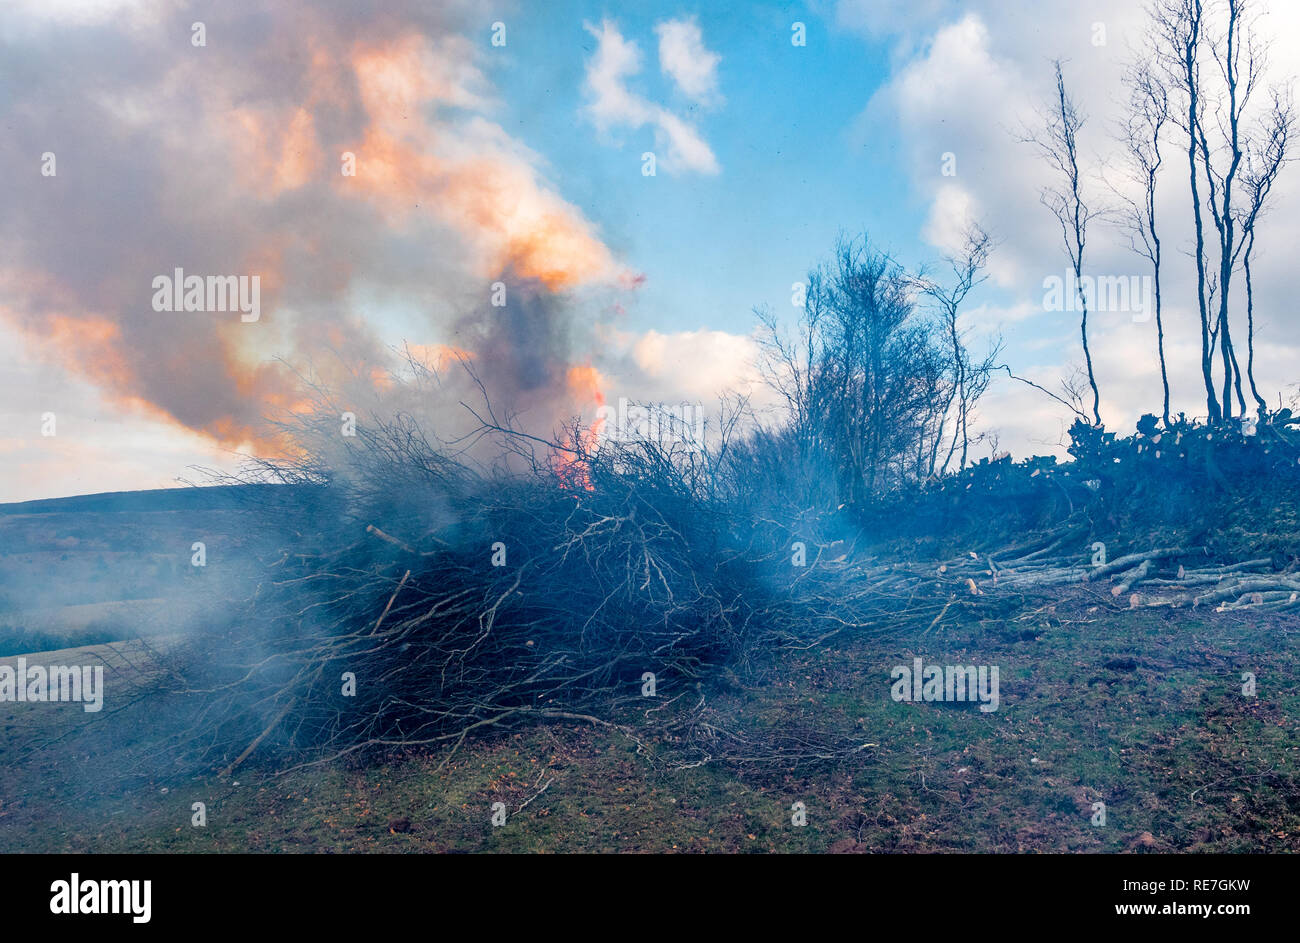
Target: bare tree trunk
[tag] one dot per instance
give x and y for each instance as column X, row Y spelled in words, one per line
column 1160, row 336
column 1250, row 326
column 1087, row 358
column 1238, row 40
column 1207, row 374
column 1058, row 143
column 1180, row 22
column 1148, row 113
column 1265, row 159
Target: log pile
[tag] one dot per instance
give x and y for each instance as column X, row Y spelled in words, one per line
column 1161, row 577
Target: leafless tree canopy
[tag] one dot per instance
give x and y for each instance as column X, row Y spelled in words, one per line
column 1212, row 62
column 879, row 392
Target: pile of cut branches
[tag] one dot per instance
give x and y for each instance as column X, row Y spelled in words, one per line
column 424, row 598
column 469, row 601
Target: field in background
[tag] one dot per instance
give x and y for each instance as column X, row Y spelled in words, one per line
column 111, row 567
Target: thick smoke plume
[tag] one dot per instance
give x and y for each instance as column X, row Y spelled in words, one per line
column 235, row 157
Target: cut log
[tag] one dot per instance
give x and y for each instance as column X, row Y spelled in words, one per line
column 1131, row 578
column 1129, row 560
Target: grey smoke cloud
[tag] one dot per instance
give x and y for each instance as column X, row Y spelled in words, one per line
column 226, row 160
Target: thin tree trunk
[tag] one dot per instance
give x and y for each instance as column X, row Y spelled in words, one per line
column 1160, row 329
column 1087, row 356
column 1250, row 327
column 1207, row 370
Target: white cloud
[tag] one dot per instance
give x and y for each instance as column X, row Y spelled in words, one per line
column 613, row 105
column 956, row 97
column 889, row 17
column 615, row 61
column 684, row 57
column 697, row 366
column 951, row 214
column 702, row 363
column 685, row 147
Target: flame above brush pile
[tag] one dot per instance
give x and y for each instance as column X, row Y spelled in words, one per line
column 584, row 383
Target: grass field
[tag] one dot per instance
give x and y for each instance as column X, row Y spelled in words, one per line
column 1142, row 710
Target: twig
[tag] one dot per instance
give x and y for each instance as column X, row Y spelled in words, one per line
column 260, row 737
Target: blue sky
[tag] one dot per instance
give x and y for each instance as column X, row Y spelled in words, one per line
column 795, row 168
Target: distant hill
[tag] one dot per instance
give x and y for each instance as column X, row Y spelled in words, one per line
column 215, row 497
column 99, row 567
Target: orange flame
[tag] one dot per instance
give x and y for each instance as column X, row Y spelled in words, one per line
column 583, row 383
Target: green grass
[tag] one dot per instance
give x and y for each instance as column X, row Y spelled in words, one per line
column 1162, row 735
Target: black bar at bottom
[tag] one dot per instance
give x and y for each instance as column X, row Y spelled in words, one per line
column 335, row 893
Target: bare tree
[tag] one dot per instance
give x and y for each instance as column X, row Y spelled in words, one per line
column 1058, row 142
column 1239, row 64
column 1177, row 25
column 864, row 377
column 969, row 381
column 1141, row 134
column 1265, row 156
